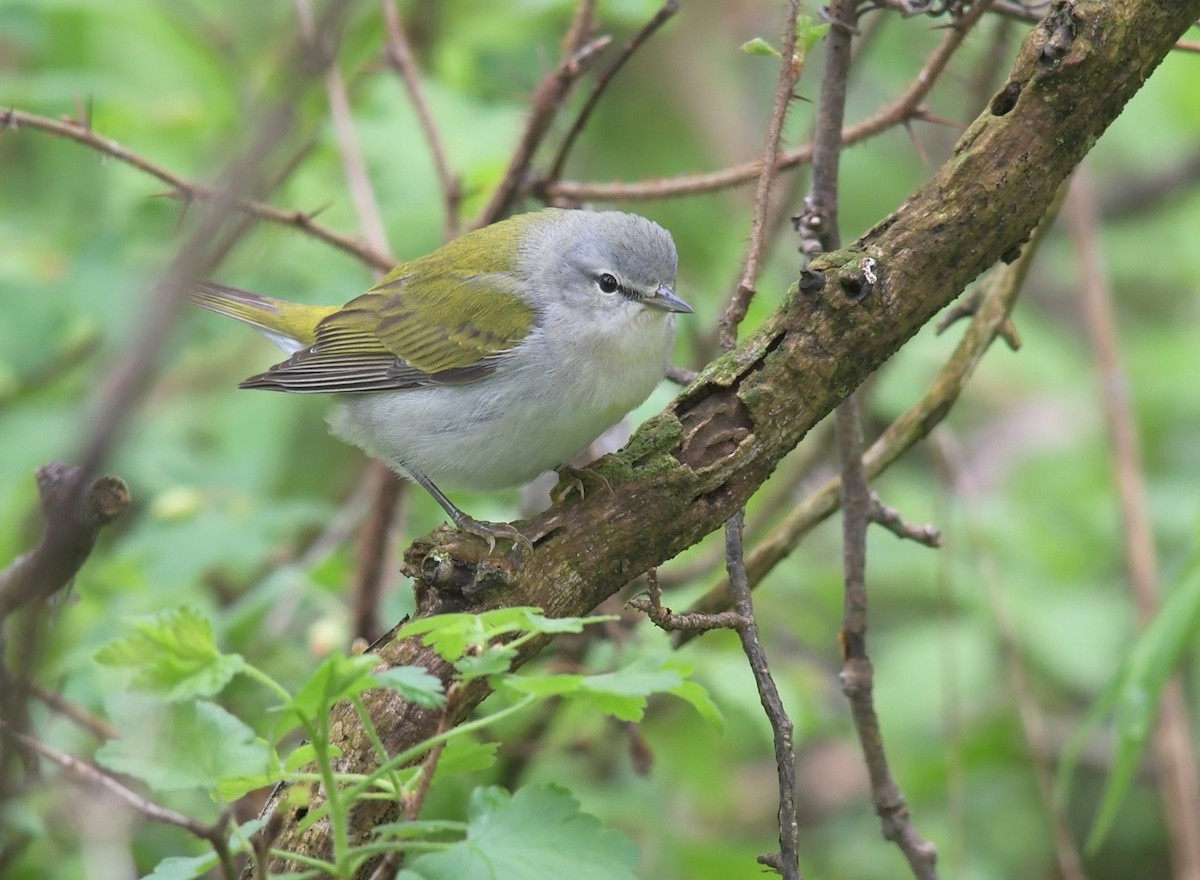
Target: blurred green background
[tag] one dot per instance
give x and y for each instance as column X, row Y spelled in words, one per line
column 232, row 487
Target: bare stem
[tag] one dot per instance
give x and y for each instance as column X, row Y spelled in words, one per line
column 190, row 191
column 661, row 17
column 546, row 102
column 790, row 67
column 905, row 107
column 400, row 57
column 90, row 774
column 787, row 861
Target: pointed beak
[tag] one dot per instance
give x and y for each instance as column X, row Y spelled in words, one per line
column 665, row 300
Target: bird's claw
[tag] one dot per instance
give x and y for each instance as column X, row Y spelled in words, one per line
column 491, row 532
column 572, row 479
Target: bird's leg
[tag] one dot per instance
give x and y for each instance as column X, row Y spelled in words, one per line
column 490, row 532
column 572, row 479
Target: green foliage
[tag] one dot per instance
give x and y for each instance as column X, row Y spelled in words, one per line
column 173, row 659
column 536, row 834
column 175, row 655
column 220, row 749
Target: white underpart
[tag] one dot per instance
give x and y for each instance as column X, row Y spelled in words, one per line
column 544, row 405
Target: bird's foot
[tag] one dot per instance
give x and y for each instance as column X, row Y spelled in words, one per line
column 492, row 532
column 572, row 479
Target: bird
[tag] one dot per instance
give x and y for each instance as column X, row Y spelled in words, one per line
column 500, row 355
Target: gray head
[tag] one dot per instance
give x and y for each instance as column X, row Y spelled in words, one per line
column 603, row 259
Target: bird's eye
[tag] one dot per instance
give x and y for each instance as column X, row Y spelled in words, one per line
column 608, row 283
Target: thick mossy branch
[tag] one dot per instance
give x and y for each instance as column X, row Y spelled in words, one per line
column 687, row 471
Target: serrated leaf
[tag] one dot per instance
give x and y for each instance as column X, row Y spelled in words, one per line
column 452, row 634
column 337, row 678
column 464, row 755
column 415, row 683
column 173, row 654
column 185, row 745
column 809, row 33
column 623, row 693
column 536, row 834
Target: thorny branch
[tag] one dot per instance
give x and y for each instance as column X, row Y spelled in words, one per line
column 546, row 102
column 190, row 191
column 905, row 107
column 661, row 17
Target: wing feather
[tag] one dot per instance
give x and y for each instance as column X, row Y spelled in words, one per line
column 411, row 330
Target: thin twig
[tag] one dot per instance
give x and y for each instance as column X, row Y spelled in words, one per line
column 790, row 67
column 1175, row 760
column 90, row 774
column 358, row 181
column 190, row 191
column 581, row 27
column 787, row 861
column 906, row 106
column 890, row 519
column 375, row 543
column 400, row 57
column 661, row 17
column 665, row 619
column 414, row 802
column 858, row 674
column 818, row 227
column 546, row 102
column 98, row 727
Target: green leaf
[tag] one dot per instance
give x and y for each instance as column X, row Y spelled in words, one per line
column 536, row 834
column 305, row 753
column 174, row 654
column 809, row 33
column 759, row 46
column 415, row 683
column 465, row 755
column 451, row 634
column 623, row 693
column 494, row 660
column 180, row 868
column 697, row 695
column 184, row 745
column 337, row 678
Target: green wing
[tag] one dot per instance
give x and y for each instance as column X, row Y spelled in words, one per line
column 419, row 326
